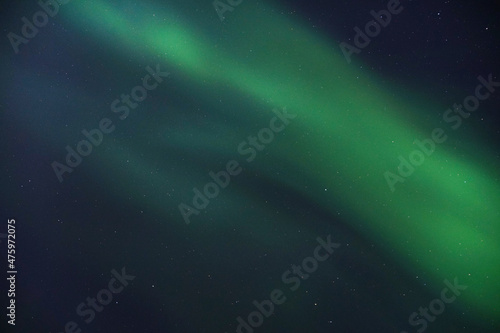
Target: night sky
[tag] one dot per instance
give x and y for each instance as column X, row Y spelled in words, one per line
column 250, row 166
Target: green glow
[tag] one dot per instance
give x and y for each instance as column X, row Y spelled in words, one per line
column 435, row 221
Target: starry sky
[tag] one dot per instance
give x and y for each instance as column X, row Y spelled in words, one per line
column 249, row 166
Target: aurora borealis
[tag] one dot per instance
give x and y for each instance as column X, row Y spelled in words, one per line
column 324, row 174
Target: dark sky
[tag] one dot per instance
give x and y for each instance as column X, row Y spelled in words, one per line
column 170, row 171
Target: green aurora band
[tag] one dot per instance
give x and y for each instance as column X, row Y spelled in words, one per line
column 350, row 128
